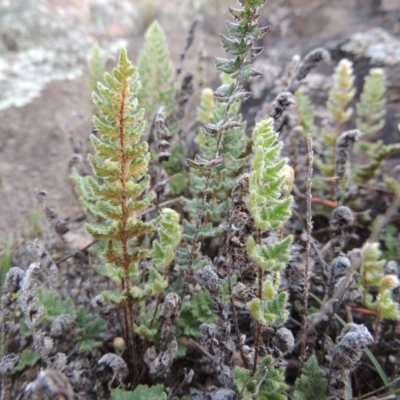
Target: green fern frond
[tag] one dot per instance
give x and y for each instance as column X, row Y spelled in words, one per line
column 306, row 112
column 312, row 384
column 378, row 153
column 342, row 92
column 224, row 173
column 205, row 112
column 117, row 298
column 170, row 234
column 120, row 130
column 271, row 258
column 267, row 206
column 90, row 329
column 340, row 96
column 54, row 306
column 86, row 196
column 371, row 107
column 28, row 358
column 142, row 392
column 121, row 160
column 267, row 383
column 96, row 66
column 371, row 273
column 224, row 131
column 156, row 72
column 387, row 307
column 196, row 312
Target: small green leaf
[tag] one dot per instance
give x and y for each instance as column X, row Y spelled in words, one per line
column 227, row 66
column 27, row 359
column 142, row 392
column 234, row 47
column 117, row 298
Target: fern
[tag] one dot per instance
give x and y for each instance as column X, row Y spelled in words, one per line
column 224, row 172
column 142, row 392
column 244, row 31
column 378, row 152
column 6, row 252
column 269, row 204
column 386, row 306
column 90, row 329
column 371, row 272
column 390, row 239
column 340, row 96
column 177, row 173
column 54, row 305
column 87, row 198
column 196, row 312
column 371, row 111
column 268, row 383
column 96, row 66
column 371, row 107
column 372, row 276
column 156, row 72
column 306, row 112
column 28, row 358
column 311, row 385
column 121, row 162
column 170, row 234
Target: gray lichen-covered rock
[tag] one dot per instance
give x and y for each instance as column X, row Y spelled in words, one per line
column 41, row 42
column 376, row 44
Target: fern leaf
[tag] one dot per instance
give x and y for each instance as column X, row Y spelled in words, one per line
column 311, row 385
column 371, row 107
column 156, row 71
column 142, row 392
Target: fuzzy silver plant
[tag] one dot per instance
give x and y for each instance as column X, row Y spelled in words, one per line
column 34, row 312
column 337, row 270
column 168, row 316
column 117, row 365
column 160, row 364
column 53, row 382
column 345, row 358
column 284, row 340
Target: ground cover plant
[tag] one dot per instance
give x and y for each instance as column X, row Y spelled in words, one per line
column 205, row 276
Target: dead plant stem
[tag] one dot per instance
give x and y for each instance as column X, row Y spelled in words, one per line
column 308, row 248
column 232, row 303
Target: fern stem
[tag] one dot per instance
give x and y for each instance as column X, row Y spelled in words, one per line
column 232, row 304
column 129, row 317
column 166, row 274
column 258, row 324
column 378, row 326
